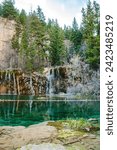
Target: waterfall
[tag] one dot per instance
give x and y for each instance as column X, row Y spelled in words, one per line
column 13, row 110
column 50, row 78
column 14, row 82
column 31, row 86
column 18, row 87
column 9, row 80
column 5, row 75
column 30, row 103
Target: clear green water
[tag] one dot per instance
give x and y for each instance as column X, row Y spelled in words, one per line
column 31, row 110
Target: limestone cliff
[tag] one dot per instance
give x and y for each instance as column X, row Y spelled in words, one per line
column 8, row 56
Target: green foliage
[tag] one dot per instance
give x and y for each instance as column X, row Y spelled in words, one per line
column 58, row 124
column 93, row 52
column 57, row 48
column 22, row 17
column 91, row 31
column 74, row 25
column 76, row 37
column 33, row 43
column 75, row 125
column 80, row 124
column 40, row 15
column 15, row 39
column 67, row 32
column 8, row 10
column 37, row 41
column 30, row 41
column 0, row 10
column 49, row 23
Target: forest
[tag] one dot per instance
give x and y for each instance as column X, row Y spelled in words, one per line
column 40, row 43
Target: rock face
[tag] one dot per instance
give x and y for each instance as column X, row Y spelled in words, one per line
column 16, row 82
column 75, row 78
column 15, row 137
column 8, row 56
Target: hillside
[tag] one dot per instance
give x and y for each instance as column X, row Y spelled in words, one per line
column 39, row 58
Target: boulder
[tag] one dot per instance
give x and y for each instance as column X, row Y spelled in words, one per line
column 15, row 137
column 44, row 146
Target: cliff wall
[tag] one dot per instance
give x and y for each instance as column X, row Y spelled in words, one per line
column 8, row 56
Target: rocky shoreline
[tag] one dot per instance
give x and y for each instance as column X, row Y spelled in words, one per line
column 48, row 136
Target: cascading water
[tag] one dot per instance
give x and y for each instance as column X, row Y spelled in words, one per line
column 9, row 80
column 31, row 86
column 14, row 81
column 50, row 78
column 18, row 87
column 30, row 103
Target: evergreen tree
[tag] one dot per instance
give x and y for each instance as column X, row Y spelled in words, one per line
column 8, row 9
column 33, row 43
column 88, row 21
column 76, row 36
column 49, row 23
column 90, row 29
column 68, row 32
column 74, row 25
column 97, row 17
column 22, row 17
column 57, row 48
column 40, row 15
column 0, row 10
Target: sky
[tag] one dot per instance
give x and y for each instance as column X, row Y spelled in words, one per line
column 63, row 10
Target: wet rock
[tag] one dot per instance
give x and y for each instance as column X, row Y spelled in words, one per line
column 17, row 82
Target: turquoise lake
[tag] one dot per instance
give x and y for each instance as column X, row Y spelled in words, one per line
column 15, row 110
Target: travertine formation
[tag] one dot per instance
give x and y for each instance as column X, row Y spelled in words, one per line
column 17, row 82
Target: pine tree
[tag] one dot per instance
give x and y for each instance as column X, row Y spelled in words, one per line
column 97, row 17
column 40, row 14
column 57, row 48
column 74, row 25
column 22, row 17
column 90, row 29
column 49, row 23
column 33, row 43
column 0, row 10
column 88, row 18
column 8, row 9
column 68, row 32
column 76, row 36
